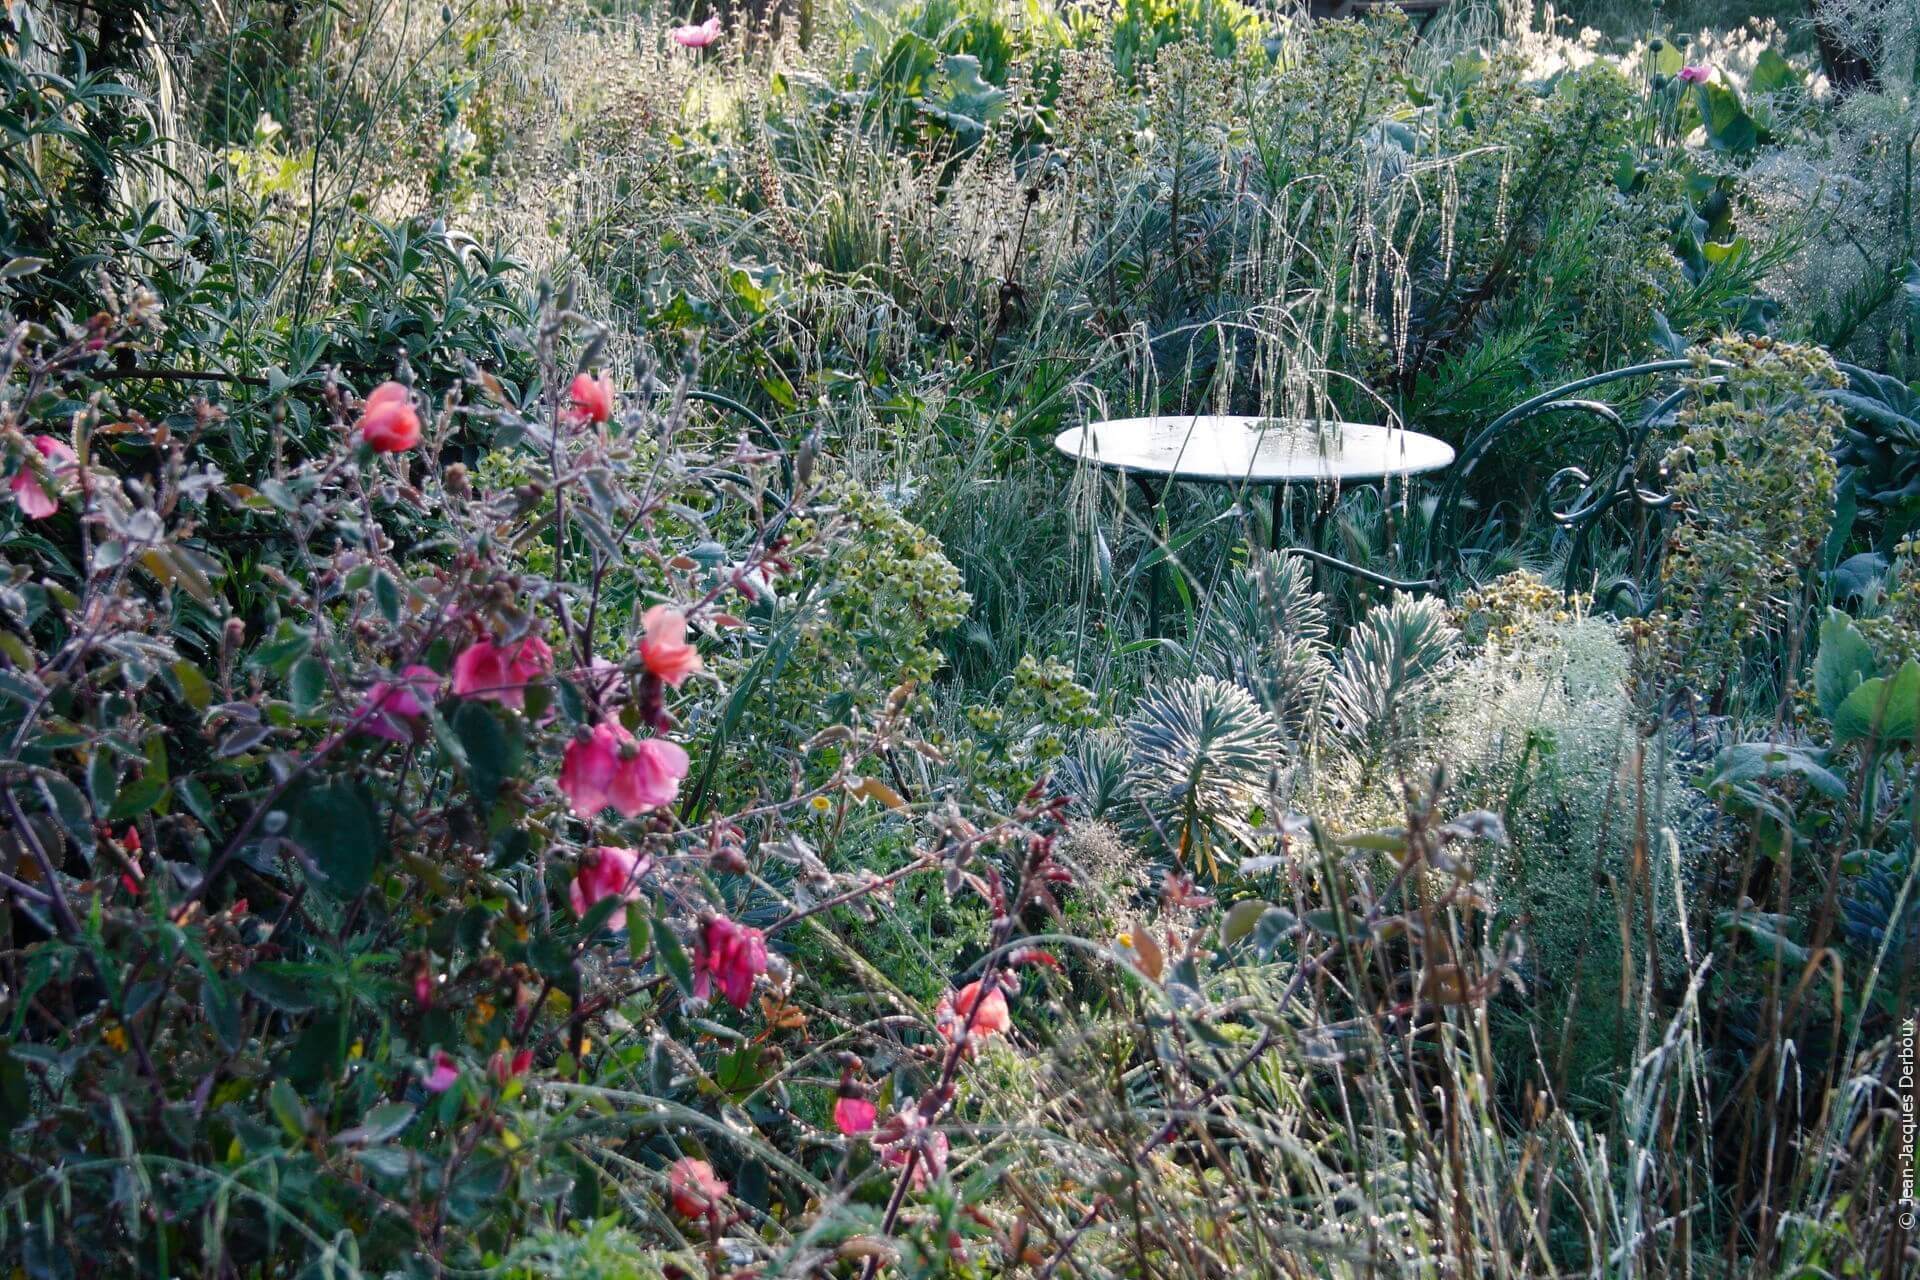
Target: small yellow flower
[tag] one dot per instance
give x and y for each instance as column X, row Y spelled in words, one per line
column 116, row 1036
column 820, row 804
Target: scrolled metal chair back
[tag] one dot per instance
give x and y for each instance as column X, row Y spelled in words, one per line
column 1577, row 498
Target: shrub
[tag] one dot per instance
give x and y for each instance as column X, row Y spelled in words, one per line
column 358, row 925
column 1753, row 476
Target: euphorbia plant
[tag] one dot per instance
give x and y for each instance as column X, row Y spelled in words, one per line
column 353, row 880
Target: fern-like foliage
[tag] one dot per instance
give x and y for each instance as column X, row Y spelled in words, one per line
column 1388, row 664
column 1202, row 750
column 1267, row 633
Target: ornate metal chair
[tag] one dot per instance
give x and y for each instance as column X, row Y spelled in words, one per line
column 1625, row 487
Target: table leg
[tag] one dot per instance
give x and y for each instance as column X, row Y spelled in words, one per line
column 1280, row 492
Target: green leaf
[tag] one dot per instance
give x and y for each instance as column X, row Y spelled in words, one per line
column 1729, row 127
column 136, row 798
column 1741, row 766
column 286, row 646
column 1886, row 709
column 1273, row 928
column 103, row 779
column 673, row 956
column 493, row 751
column 1845, row 662
column 307, row 683
column 1772, row 73
column 338, row 825
column 287, row 1108
column 386, row 596
column 71, row 808
column 195, row 690
column 379, row 1124
column 285, row 993
column 1240, row 919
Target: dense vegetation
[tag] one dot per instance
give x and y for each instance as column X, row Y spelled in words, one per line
column 561, row 716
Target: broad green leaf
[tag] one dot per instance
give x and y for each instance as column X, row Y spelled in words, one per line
column 1885, row 709
column 1772, row 73
column 1844, row 662
column 338, row 825
column 492, row 750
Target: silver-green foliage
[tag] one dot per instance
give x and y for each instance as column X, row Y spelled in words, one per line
column 1202, row 750
column 1267, row 632
column 1384, row 673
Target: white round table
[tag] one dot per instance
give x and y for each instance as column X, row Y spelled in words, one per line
column 1269, row 452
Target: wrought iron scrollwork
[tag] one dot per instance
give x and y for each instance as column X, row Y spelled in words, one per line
column 1577, row 499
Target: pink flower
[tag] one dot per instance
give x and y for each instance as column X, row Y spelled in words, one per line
column 699, row 37
column 608, row 872
column 30, row 492
column 1696, row 74
column 500, row 673
column 957, row 1007
column 664, row 647
column 729, row 954
column 588, row 768
column 393, row 710
column 853, row 1116
column 445, row 1072
column 388, row 421
column 693, row 1188
column 606, row 766
column 592, row 397
column 650, row 779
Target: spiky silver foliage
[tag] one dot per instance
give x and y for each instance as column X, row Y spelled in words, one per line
column 1388, row 663
column 1267, row 633
column 1202, row 751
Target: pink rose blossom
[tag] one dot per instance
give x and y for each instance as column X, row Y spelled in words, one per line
column 499, row 673
column 388, row 421
column 854, row 1116
column 650, row 779
column 956, row 1007
column 607, row 766
column 1697, row 74
column 664, row 647
column 30, row 492
column 393, row 709
column 699, row 37
column 587, row 769
column 445, row 1072
column 731, row 955
column 608, row 872
column 592, row 397
column 694, row 1189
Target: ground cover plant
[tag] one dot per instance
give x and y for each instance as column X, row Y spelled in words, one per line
column 560, row 715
